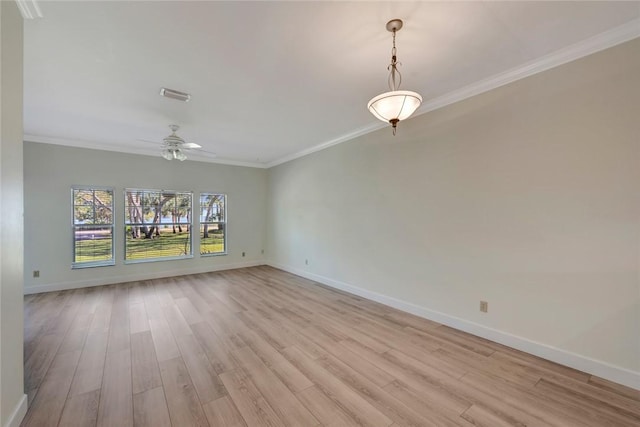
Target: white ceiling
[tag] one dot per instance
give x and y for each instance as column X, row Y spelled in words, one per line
column 273, row 80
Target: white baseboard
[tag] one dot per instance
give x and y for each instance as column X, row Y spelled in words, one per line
column 110, row 280
column 18, row 413
column 582, row 363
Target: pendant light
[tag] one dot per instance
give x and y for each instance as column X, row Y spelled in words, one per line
column 397, row 104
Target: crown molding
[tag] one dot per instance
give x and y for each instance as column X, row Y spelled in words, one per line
column 346, row 137
column 76, row 143
column 29, row 9
column 604, row 40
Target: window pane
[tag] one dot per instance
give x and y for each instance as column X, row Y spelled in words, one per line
column 161, row 243
column 212, row 239
column 158, row 225
column 212, row 207
column 93, row 244
column 103, row 202
column 83, row 206
column 212, row 224
column 93, row 227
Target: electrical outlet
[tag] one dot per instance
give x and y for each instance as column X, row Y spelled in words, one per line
column 36, row 273
column 484, row 306
column 242, row 253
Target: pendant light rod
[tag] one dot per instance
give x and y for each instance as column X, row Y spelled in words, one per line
column 394, row 26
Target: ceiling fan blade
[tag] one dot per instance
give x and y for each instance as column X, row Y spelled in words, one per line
column 191, row 145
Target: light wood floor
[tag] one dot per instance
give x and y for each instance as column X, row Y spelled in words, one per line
column 258, row 346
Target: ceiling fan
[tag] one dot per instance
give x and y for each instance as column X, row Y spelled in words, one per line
column 173, row 146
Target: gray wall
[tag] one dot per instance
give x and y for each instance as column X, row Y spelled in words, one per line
column 13, row 402
column 526, row 197
column 51, row 170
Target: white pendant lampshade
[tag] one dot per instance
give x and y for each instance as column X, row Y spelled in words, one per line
column 395, row 105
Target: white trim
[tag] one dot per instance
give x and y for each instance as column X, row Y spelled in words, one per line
column 339, row 140
column 110, row 280
column 604, row 40
column 595, row 367
column 18, row 413
column 94, row 145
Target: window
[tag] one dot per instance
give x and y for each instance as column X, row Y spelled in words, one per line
column 157, row 225
column 92, row 227
column 213, row 217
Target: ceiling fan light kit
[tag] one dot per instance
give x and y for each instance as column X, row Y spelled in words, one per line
column 395, row 105
column 173, row 145
column 173, row 154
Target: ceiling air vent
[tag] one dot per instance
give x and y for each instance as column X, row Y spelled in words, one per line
column 174, row 94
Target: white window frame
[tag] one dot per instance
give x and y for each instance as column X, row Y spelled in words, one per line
column 129, row 224
column 202, row 223
column 74, row 227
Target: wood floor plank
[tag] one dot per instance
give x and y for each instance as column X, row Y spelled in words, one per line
column 182, row 399
column 138, row 321
column 102, row 315
column 161, row 287
column 392, row 407
column 119, row 333
column 602, row 411
column 52, row 394
column 467, row 360
column 261, row 347
column 176, row 321
column 89, row 372
column 136, row 293
column 75, row 337
column 426, row 405
column 251, row 404
column 189, row 311
column 351, row 402
column 280, row 398
column 480, row 417
column 145, row 372
column 615, row 388
column 203, row 376
column 40, row 360
column 217, row 350
column 116, row 397
column 223, row 413
column 321, row 406
column 543, row 409
column 596, row 396
column 192, row 295
column 420, row 378
column 150, row 409
column 81, row 410
column 291, row 376
column 163, row 340
column 538, row 366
